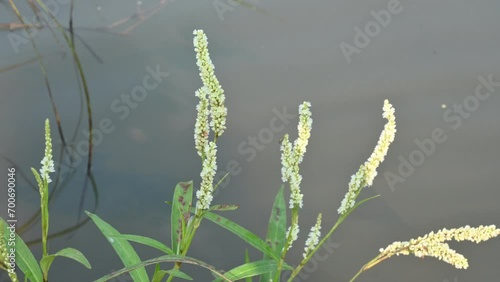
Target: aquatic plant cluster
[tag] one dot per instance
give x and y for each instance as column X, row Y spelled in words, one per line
column 185, row 220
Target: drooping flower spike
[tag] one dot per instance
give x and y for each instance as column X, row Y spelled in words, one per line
column 433, row 244
column 367, row 171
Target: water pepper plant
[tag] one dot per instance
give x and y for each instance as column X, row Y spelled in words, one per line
column 190, row 208
column 24, row 258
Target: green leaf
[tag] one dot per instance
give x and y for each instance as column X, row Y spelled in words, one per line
column 247, row 260
column 249, row 270
column 71, row 253
column 122, row 248
column 276, row 230
column 159, row 274
column 243, row 233
column 146, row 241
column 224, row 208
column 181, row 211
column 24, row 257
column 166, row 258
column 38, row 179
column 178, row 274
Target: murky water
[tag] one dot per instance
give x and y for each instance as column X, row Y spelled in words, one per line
column 428, row 59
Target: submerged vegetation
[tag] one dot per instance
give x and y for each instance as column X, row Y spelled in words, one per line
column 189, row 209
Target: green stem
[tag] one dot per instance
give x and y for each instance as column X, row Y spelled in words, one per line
column 296, row 271
column 44, row 206
column 45, row 216
column 191, row 230
column 369, row 265
column 295, row 221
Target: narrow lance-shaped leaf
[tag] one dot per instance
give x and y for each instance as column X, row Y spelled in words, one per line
column 223, row 208
column 247, row 260
column 122, row 248
column 162, row 259
column 243, row 233
column 181, row 210
column 24, row 257
column 145, row 241
column 71, row 253
column 159, row 274
column 276, row 230
column 249, row 270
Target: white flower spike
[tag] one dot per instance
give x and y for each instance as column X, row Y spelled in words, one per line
column 211, row 115
column 313, row 239
column 292, row 156
column 367, row 172
column 215, row 92
column 47, row 162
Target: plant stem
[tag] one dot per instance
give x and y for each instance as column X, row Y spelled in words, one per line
column 295, row 221
column 45, row 216
column 296, row 271
column 191, row 230
column 369, row 265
